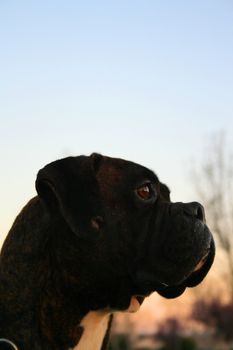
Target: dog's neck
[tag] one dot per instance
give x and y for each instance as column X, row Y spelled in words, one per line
column 95, row 326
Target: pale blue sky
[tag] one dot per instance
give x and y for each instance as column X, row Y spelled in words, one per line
column 145, row 80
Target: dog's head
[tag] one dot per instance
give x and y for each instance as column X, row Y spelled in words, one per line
column 138, row 239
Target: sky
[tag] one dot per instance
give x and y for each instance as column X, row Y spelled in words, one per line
column 149, row 81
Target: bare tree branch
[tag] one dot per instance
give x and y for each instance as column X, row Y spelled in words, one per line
column 213, row 181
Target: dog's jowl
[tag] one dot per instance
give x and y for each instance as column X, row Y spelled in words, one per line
column 101, row 235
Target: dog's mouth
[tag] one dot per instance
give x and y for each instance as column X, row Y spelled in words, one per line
column 200, row 263
column 197, row 267
column 194, row 278
column 147, row 282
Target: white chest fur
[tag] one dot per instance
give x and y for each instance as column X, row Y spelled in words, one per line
column 95, row 325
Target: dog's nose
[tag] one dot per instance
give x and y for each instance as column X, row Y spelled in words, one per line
column 195, row 209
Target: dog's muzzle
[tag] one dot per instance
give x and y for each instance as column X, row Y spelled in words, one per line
column 147, row 283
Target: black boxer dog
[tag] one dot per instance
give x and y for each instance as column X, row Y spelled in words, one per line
column 101, row 235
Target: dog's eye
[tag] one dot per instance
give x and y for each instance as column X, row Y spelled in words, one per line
column 145, row 192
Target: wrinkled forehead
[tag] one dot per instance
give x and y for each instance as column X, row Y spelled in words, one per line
column 116, row 175
column 117, row 172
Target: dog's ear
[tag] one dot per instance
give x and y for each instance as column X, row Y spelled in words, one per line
column 69, row 186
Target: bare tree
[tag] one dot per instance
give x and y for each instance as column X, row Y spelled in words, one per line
column 213, row 180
